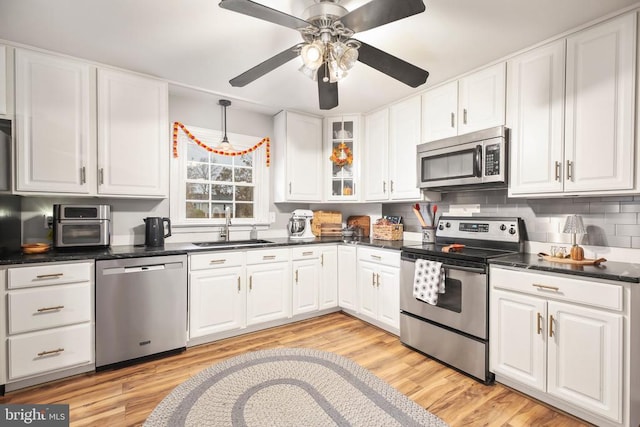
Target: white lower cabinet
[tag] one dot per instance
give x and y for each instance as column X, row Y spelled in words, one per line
column 305, row 267
column 269, row 293
column 347, row 280
column 50, row 312
column 328, row 277
column 561, row 340
column 378, row 275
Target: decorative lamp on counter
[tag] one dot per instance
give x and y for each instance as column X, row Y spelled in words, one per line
column 574, row 225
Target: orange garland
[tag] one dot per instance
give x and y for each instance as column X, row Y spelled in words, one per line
column 177, row 125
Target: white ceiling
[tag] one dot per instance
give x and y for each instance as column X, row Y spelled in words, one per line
column 197, row 43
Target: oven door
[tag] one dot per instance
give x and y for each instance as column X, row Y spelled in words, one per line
column 79, row 233
column 463, row 306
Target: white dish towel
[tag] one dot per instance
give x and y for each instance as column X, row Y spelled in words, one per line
column 428, row 281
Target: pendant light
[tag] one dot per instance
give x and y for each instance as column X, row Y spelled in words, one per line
column 224, row 145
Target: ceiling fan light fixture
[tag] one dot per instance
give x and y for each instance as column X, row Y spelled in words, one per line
column 309, row 72
column 313, row 54
column 335, row 72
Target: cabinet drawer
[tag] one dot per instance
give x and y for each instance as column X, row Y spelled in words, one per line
column 215, row 259
column 41, row 352
column 49, row 274
column 391, row 258
column 560, row 287
column 305, row 252
column 42, row 308
column 267, row 255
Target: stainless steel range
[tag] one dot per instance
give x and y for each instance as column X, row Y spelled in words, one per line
column 455, row 328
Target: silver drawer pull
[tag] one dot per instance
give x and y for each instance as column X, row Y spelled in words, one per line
column 217, row 261
column 307, row 253
column 378, row 257
column 547, row 287
column 46, row 353
column 268, row 257
column 49, row 276
column 57, row 307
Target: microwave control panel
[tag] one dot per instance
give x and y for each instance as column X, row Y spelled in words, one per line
column 492, row 159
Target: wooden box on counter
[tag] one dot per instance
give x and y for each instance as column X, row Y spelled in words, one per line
column 388, row 232
column 324, row 217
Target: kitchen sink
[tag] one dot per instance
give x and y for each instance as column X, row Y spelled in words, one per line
column 232, row 243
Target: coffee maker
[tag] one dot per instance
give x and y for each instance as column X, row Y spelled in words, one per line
column 300, row 224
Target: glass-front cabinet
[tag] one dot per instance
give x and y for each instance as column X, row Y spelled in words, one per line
column 342, row 158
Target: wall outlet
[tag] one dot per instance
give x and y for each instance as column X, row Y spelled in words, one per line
column 47, row 221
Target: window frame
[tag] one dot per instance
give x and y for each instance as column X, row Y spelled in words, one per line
column 178, row 178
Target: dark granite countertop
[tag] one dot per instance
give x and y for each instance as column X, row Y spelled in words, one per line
column 136, row 251
column 609, row 270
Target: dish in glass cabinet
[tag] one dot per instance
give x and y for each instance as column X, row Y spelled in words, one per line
column 35, row 248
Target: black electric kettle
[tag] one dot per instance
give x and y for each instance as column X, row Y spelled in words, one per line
column 154, row 231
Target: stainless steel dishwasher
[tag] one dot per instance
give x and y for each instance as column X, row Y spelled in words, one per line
column 141, row 308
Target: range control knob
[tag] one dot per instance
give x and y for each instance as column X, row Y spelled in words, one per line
column 441, row 227
column 503, row 227
column 448, row 225
column 512, row 230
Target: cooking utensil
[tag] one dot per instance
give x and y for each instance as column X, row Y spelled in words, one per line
column 416, row 210
column 433, row 219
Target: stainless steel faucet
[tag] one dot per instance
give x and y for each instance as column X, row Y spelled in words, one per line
column 227, row 223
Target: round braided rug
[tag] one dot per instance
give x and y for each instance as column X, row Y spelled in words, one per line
column 288, row 387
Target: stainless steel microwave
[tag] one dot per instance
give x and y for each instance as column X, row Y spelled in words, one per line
column 472, row 161
column 81, row 226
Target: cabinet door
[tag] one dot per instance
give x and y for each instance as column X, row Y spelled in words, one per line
column 388, row 283
column 53, row 124
column 599, row 132
column 376, row 156
column 535, row 114
column 216, row 301
column 439, row 109
column 268, row 296
column 3, row 80
column 305, row 283
column 367, row 289
column 518, row 338
column 297, row 158
column 133, row 135
column 481, row 102
column 585, row 358
column 342, row 140
column 329, row 277
column 347, row 278
column 404, row 137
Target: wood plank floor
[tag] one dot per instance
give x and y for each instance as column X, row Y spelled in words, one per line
column 126, row 396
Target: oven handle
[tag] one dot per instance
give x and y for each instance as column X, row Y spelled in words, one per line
column 454, row 267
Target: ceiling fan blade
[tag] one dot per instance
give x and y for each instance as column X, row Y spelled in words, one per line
column 248, row 7
column 392, row 66
column 327, row 91
column 266, row 66
column 380, row 12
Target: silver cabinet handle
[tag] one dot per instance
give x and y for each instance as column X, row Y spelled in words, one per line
column 376, row 257
column 289, row 187
column 307, row 253
column 464, row 116
column 101, row 174
column 546, row 287
column 378, row 279
column 569, row 170
column 55, row 308
column 373, row 279
column 238, row 283
column 392, row 186
column 551, row 319
column 250, row 283
column 558, row 176
column 50, row 276
column 47, row 352
column 83, row 175
column 453, row 119
column 218, row 261
column 322, row 260
column 296, row 277
column 384, row 187
column 268, row 257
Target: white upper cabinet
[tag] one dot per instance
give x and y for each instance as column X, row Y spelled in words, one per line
column 133, row 135
column 404, row 137
column 297, row 160
column 581, row 142
column 54, row 124
column 599, row 129
column 474, row 102
column 535, row 114
column 375, row 164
